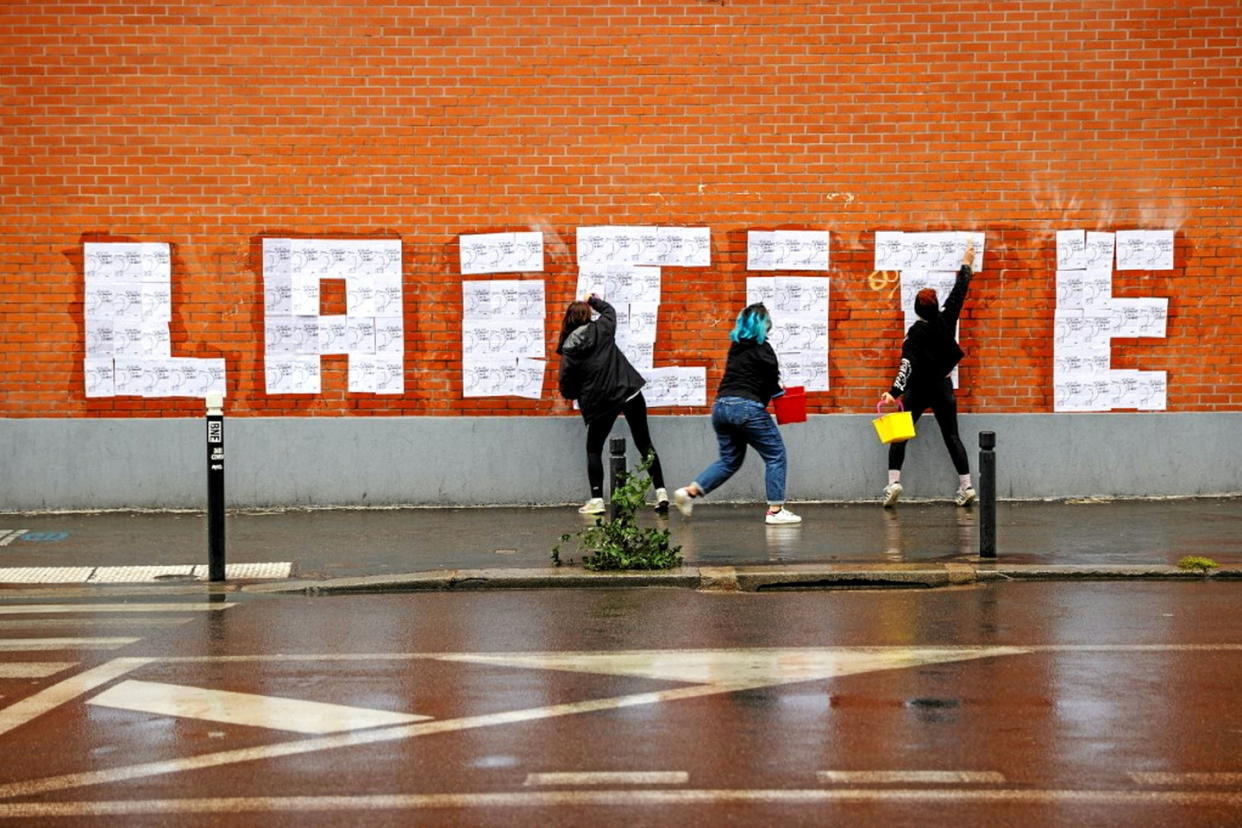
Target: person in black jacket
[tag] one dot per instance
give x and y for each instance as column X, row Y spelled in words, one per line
column 596, row 374
column 928, row 355
column 740, row 417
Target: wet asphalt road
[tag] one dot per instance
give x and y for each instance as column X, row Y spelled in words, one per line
column 1009, row 704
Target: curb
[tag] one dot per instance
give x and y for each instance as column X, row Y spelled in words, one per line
column 726, row 579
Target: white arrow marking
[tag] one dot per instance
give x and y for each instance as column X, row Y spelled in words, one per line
column 794, row 669
column 229, row 707
column 764, row 666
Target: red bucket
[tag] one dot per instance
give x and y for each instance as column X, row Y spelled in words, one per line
column 791, row 406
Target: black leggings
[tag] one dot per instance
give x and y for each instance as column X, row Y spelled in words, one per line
column 635, row 411
column 940, row 399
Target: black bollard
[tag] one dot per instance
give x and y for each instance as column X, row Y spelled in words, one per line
column 987, row 494
column 616, row 464
column 215, row 488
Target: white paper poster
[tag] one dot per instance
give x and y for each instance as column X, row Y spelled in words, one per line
column 787, row 250
column 293, row 326
column 798, row 306
column 128, row 307
column 1088, row 317
column 503, row 347
column 501, row 253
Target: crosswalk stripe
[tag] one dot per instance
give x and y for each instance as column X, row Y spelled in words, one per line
column 38, row 609
column 277, row 713
column 917, row 777
column 1155, row 778
column 33, row 669
column 10, row 535
column 608, row 778
column 22, row 645
column 93, row 622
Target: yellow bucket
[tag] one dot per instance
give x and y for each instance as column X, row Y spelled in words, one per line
column 896, row 427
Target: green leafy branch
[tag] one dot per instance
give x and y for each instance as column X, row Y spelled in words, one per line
column 620, row 543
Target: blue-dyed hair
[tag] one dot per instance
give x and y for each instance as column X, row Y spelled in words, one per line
column 752, row 324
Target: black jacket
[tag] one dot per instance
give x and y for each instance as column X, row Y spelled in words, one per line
column 751, row 372
column 930, row 351
column 593, row 370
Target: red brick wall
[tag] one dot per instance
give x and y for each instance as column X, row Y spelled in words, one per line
column 211, row 124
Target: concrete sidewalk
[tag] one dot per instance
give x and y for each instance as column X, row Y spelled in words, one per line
column 726, row 545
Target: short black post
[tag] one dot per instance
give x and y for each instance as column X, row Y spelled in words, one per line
column 987, row 494
column 215, row 488
column 616, row 464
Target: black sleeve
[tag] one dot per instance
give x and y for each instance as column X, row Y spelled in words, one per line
column 957, row 297
column 606, row 325
column 913, row 352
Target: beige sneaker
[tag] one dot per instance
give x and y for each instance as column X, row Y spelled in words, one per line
column 964, row 497
column 782, row 518
column 892, row 493
column 683, row 501
column 594, row 506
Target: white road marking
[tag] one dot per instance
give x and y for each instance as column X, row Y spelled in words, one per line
column 42, row 609
column 19, row 713
column 624, row 798
column 64, row 782
column 34, row 669
column 1155, row 778
column 912, row 777
column 352, row 739
column 608, row 778
column 765, row 665
column 276, row 713
column 93, row 623
column 11, row 535
column 23, row 645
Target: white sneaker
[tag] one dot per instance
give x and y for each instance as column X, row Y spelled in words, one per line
column 683, row 501
column 594, row 506
column 891, row 493
column 661, row 504
column 964, row 497
column 782, row 517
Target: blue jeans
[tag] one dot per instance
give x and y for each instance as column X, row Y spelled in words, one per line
column 740, row 422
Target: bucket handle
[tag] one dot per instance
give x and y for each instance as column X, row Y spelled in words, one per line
column 879, row 404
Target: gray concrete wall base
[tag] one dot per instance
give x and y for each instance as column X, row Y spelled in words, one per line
column 145, row 463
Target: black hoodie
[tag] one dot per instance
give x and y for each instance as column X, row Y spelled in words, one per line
column 593, row 370
column 930, row 351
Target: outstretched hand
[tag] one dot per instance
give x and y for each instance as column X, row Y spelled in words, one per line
column 970, row 253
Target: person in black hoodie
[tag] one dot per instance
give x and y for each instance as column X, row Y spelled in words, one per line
column 928, row 355
column 596, row 374
column 740, row 417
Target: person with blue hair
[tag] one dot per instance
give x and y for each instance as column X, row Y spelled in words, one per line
column 740, row 417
